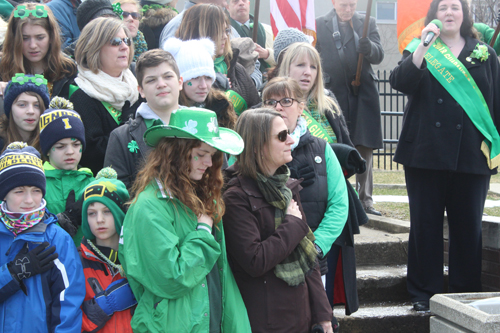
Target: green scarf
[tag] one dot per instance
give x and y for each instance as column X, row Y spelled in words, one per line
column 220, row 65
column 458, row 82
column 302, row 260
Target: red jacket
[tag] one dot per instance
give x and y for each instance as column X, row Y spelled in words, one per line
column 98, row 276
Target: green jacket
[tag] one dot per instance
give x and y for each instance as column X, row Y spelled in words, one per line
column 166, row 261
column 487, row 34
column 59, row 184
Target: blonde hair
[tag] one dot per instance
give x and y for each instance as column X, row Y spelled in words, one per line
column 94, row 36
column 316, row 96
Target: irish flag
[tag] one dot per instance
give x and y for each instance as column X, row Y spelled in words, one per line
column 411, row 17
column 294, row 14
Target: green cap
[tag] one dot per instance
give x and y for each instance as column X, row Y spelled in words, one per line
column 197, row 123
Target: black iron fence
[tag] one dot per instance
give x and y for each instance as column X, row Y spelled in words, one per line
column 392, row 104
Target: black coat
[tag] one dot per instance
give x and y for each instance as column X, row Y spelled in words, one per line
column 437, row 133
column 362, row 112
column 98, row 126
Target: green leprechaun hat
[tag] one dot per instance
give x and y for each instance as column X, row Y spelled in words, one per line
column 197, row 123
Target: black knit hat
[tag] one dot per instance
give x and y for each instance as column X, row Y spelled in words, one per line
column 20, row 165
column 91, row 9
column 22, row 83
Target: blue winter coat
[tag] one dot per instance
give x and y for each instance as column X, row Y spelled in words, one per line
column 53, row 299
column 65, row 13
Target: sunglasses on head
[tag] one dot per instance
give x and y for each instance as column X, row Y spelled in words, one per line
column 283, row 135
column 135, row 15
column 285, row 102
column 117, row 41
column 22, row 12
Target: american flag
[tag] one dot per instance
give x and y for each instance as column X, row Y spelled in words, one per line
column 294, row 14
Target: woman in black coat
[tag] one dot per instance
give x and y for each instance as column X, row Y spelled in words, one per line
column 107, row 94
column 445, row 154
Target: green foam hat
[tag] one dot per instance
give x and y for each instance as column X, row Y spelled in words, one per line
column 196, row 123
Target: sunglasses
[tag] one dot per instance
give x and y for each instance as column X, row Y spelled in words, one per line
column 117, row 41
column 283, row 135
column 285, row 102
column 135, row 15
column 22, row 12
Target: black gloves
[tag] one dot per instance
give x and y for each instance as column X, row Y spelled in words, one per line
column 71, row 218
column 27, row 264
column 358, row 162
column 305, row 171
column 365, row 46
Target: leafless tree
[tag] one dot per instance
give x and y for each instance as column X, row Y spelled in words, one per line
column 485, row 11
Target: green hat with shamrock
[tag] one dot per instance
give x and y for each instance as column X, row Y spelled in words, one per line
column 196, row 123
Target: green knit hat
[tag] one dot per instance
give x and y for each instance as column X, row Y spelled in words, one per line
column 109, row 191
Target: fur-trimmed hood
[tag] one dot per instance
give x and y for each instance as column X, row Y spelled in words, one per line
column 158, row 17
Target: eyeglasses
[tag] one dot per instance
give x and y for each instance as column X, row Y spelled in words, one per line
column 117, row 41
column 283, row 135
column 22, row 12
column 285, row 102
column 135, row 15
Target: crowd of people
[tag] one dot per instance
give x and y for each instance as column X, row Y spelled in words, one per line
column 221, row 200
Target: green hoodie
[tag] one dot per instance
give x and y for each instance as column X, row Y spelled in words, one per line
column 167, row 261
column 59, row 184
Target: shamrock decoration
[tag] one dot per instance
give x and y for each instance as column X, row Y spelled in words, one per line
column 108, row 185
column 191, row 126
column 132, row 146
column 212, row 125
column 480, row 52
column 117, row 9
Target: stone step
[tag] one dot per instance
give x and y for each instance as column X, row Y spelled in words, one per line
column 382, row 284
column 383, row 318
column 376, row 247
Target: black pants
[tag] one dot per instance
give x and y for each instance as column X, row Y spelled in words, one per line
column 430, row 192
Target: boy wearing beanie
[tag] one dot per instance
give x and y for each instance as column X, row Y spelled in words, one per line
column 62, row 141
column 41, row 278
column 109, row 301
column 159, row 83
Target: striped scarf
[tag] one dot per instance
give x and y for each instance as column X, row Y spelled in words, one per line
column 294, row 268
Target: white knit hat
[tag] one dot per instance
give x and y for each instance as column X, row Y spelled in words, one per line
column 194, row 57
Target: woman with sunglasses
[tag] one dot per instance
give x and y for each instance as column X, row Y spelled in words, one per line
column 131, row 13
column 329, row 201
column 32, row 45
column 270, row 245
column 208, row 20
column 107, row 93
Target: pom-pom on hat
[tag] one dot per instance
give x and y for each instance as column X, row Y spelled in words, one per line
column 20, row 165
column 287, row 37
column 109, row 191
column 60, row 122
column 91, row 9
column 25, row 82
column 196, row 123
column 193, row 57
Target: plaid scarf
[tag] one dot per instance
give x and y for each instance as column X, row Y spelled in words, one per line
column 294, row 268
column 19, row 222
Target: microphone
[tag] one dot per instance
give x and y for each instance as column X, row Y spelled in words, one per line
column 431, row 35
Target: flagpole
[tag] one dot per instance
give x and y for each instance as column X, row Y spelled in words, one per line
column 357, row 81
column 256, row 21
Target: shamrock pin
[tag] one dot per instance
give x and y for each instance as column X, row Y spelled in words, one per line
column 117, row 9
column 132, row 146
column 480, row 53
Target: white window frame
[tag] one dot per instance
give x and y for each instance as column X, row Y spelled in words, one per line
column 395, row 12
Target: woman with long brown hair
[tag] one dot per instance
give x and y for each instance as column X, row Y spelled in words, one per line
column 172, row 245
column 33, row 46
column 208, row 20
